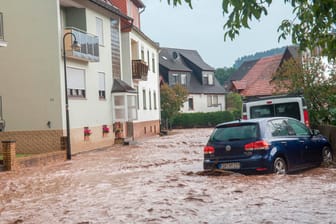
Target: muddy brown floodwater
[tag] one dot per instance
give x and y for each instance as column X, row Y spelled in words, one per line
column 158, row 181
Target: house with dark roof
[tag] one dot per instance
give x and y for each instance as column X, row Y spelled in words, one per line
column 186, row 67
column 255, row 77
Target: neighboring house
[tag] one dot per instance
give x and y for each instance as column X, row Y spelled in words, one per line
column 140, row 71
column 3, row 43
column 254, row 78
column 32, row 85
column 187, row 68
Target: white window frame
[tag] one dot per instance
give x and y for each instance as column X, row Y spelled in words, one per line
column 183, row 79
column 102, row 85
column 100, row 30
column 76, row 82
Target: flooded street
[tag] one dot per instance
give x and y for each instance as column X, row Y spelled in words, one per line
column 158, row 180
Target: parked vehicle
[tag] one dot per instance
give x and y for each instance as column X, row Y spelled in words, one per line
column 277, row 144
column 276, row 106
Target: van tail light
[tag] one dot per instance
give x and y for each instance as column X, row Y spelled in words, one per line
column 209, row 150
column 306, row 117
column 244, row 117
column 258, row 145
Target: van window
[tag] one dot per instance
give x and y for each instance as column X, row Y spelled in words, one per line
column 290, row 109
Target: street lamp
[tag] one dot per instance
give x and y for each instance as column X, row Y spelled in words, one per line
column 74, row 45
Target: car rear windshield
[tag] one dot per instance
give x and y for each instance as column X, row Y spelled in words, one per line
column 282, row 110
column 235, row 132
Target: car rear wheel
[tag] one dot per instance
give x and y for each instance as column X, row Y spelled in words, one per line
column 279, row 166
column 327, row 155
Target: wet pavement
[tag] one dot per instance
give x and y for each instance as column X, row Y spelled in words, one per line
column 160, row 180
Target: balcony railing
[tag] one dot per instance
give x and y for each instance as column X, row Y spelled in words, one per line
column 139, row 70
column 89, row 50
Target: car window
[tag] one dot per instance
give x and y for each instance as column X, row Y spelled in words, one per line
column 235, row 132
column 288, row 110
column 262, row 111
column 279, row 127
column 299, row 128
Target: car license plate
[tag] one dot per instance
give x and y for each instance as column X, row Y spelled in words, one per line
column 229, row 166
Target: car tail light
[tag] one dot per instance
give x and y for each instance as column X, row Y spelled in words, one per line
column 258, row 145
column 306, row 117
column 209, row 150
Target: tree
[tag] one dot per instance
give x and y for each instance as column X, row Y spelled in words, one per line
column 172, row 99
column 222, row 74
column 234, row 104
column 317, row 82
column 313, row 27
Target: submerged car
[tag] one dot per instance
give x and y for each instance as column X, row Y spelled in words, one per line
column 277, row 144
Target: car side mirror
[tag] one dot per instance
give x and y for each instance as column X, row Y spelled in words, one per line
column 316, row 132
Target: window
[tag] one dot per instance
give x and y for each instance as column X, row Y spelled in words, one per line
column 155, row 104
column 144, row 99
column 153, row 62
column 150, row 100
column 131, row 107
column 212, row 100
column 191, row 103
column 148, row 60
column 119, row 107
column 142, row 53
column 174, row 79
column 280, row 128
column 100, row 30
column 208, row 79
column 299, row 128
column 183, row 79
column 76, row 82
column 101, row 91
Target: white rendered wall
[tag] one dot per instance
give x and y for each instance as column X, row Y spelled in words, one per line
column 29, row 65
column 201, row 104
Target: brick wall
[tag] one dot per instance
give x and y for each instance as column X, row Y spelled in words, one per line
column 146, row 129
column 34, row 142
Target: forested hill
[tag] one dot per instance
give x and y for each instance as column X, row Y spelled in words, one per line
column 258, row 55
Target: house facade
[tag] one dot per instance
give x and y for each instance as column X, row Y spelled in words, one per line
column 255, row 78
column 32, row 83
column 140, row 70
column 186, row 67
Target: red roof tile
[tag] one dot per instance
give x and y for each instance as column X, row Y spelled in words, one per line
column 258, row 79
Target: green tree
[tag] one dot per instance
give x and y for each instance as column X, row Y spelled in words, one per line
column 313, row 26
column 316, row 80
column 222, row 74
column 234, row 104
column 172, row 99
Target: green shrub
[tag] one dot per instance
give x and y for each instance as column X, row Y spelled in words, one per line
column 200, row 120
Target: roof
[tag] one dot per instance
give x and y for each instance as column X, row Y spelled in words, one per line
column 258, row 78
column 119, row 86
column 254, row 78
column 173, row 59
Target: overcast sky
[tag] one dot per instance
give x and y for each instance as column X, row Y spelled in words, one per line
column 201, row 29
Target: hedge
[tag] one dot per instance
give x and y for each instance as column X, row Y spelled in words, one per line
column 201, row 120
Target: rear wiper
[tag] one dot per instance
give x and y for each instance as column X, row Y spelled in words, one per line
column 234, row 139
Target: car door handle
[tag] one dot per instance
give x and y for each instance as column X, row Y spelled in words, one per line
column 301, row 141
column 285, row 143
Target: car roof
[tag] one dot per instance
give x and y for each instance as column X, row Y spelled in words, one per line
column 254, row 120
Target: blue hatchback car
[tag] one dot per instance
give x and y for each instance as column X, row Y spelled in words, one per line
column 277, row 144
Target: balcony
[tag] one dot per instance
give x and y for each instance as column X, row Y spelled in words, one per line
column 139, row 70
column 89, row 43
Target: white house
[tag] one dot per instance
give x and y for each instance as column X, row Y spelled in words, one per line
column 187, row 68
column 32, row 80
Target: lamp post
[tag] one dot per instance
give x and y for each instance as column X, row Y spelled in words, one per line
column 75, row 44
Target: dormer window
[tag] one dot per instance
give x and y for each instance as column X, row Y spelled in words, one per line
column 208, row 79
